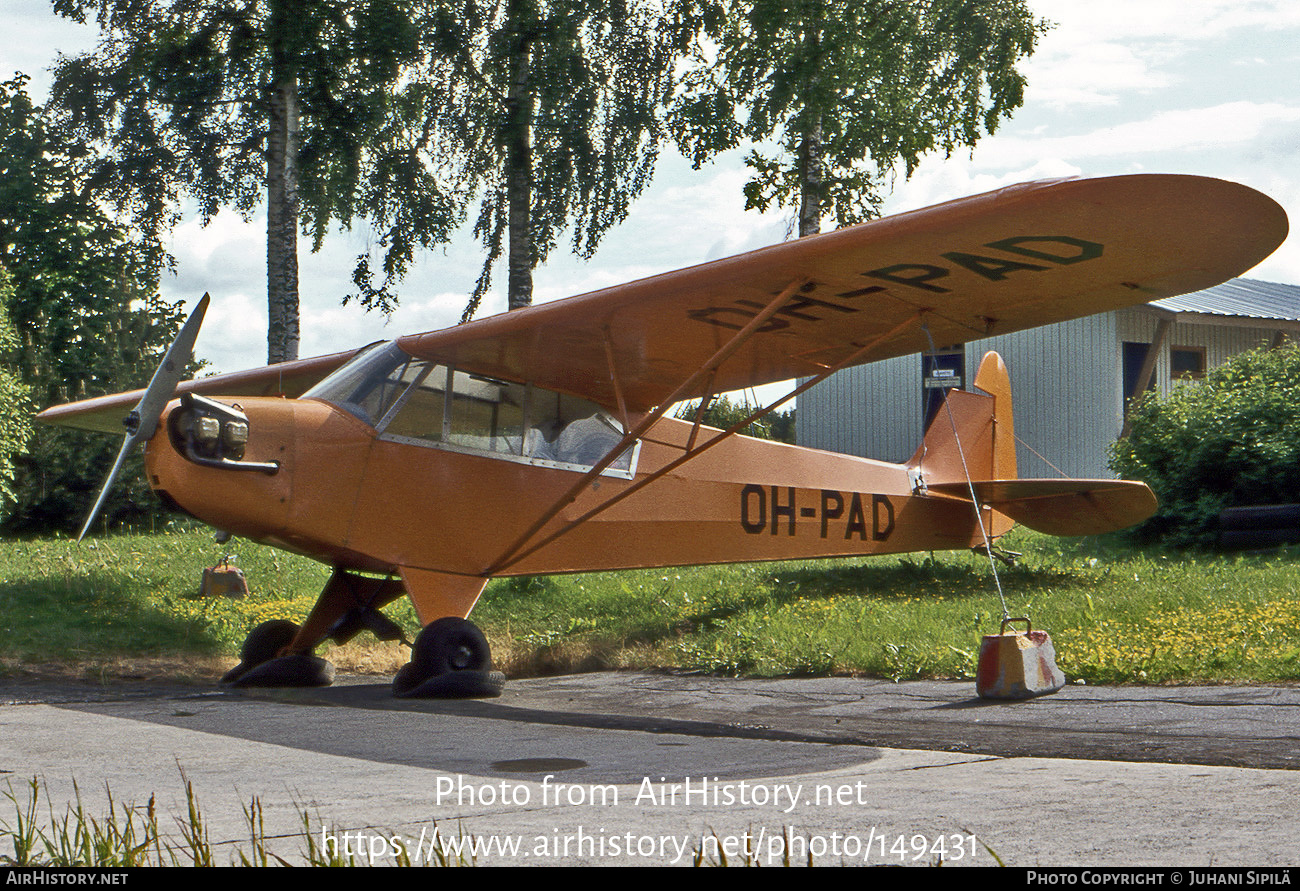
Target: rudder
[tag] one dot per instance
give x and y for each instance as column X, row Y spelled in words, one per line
column 973, row 434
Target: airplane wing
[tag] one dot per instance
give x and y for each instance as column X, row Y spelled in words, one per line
column 104, row 414
column 1016, row 258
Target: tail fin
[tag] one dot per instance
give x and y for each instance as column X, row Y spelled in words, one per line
column 973, row 436
column 993, row 379
column 981, row 456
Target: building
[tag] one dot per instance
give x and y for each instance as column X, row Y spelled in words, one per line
column 1070, row 381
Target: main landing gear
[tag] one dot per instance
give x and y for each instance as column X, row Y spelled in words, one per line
column 450, row 658
column 261, row 665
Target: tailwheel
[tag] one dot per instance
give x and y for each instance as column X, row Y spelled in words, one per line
column 450, row 659
column 260, row 664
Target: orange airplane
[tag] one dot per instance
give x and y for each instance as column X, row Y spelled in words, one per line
column 540, row 441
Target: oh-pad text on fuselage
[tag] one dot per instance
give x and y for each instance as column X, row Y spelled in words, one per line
column 1045, row 251
column 777, row 510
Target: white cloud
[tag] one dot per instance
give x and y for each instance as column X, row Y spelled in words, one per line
column 233, row 336
column 1092, row 75
column 1102, row 50
column 1229, row 125
column 1181, row 20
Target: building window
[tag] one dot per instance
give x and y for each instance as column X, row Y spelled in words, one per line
column 940, row 372
column 1186, row 363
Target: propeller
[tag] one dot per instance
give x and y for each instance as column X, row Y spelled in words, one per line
column 142, row 422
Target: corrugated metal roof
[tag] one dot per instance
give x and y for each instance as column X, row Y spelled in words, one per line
column 1242, row 297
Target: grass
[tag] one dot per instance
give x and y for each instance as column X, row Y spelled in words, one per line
column 127, row 604
column 126, row 834
column 132, row 835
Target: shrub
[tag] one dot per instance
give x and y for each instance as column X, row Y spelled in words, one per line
column 87, row 314
column 1232, row 439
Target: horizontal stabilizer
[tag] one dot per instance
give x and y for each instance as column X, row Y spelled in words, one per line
column 1062, row 507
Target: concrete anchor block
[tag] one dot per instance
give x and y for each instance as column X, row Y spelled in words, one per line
column 1017, row 665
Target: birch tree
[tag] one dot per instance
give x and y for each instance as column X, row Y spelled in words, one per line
column 561, row 105
column 320, row 108
column 837, row 96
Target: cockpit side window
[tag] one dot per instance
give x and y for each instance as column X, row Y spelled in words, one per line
column 412, row 400
column 486, row 414
column 417, row 412
column 569, row 430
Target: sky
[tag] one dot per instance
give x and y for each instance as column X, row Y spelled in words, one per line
column 1208, row 87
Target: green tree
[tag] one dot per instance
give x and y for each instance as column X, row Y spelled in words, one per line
column 84, row 305
column 1230, row 440
column 837, row 94
column 722, row 413
column 322, row 107
column 561, row 109
column 15, row 401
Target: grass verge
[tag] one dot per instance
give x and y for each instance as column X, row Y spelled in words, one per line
column 126, row 606
column 131, row 835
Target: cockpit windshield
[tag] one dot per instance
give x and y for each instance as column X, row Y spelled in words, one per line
column 367, row 384
column 415, row 401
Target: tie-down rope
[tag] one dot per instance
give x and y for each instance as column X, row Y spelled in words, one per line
column 979, row 518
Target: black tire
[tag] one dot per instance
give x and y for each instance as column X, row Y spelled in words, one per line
column 408, row 684
column 450, row 644
column 262, row 645
column 266, row 641
column 450, row 659
column 288, row 671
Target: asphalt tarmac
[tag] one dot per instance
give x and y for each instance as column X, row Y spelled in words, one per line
column 637, row 768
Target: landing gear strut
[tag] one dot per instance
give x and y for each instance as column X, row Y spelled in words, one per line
column 449, row 660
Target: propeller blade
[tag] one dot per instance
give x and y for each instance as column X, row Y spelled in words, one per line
column 163, row 384
column 142, row 422
column 128, row 443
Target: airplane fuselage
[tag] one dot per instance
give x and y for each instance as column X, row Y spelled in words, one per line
column 352, row 499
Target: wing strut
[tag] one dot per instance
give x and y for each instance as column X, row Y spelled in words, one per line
column 699, row 413
column 510, row 557
column 630, row 436
column 613, row 376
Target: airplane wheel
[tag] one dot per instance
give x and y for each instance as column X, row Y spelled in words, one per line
column 297, row 670
column 262, row 645
column 266, row 640
column 260, row 666
column 450, row 659
column 451, row 644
